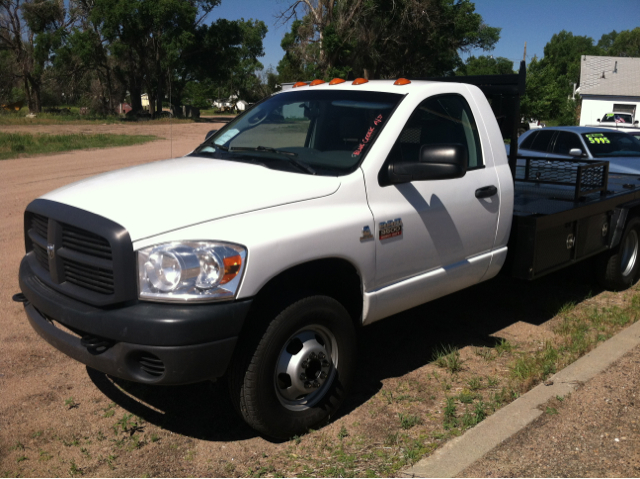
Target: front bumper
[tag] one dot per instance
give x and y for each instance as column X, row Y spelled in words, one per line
column 153, row 343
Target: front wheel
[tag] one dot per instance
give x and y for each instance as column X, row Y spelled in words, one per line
column 617, row 269
column 296, row 372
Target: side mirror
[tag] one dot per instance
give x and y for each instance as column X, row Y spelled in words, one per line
column 598, row 120
column 635, row 123
column 575, row 152
column 436, row 162
column 210, row 134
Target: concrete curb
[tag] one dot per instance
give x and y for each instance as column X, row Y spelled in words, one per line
column 461, row 452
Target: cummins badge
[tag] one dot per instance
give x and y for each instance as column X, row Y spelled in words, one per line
column 390, row 229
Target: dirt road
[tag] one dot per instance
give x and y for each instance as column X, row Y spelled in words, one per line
column 57, row 418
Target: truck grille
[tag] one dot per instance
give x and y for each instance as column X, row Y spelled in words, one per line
column 96, row 279
column 80, row 254
column 85, row 242
column 39, row 224
column 41, row 256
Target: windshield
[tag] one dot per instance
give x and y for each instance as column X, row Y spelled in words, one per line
column 609, row 144
column 617, row 118
column 317, row 132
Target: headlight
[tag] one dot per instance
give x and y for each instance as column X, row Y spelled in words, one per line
column 190, row 271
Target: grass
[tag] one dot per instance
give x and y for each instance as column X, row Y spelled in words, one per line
column 14, row 145
column 216, row 112
column 20, row 118
column 448, row 357
column 407, row 421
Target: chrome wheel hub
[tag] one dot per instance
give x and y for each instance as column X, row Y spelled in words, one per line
column 306, row 367
column 629, row 252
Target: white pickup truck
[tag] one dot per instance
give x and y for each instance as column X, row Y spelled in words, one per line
column 620, row 121
column 320, row 210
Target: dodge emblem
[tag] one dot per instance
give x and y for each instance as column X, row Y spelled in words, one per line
column 51, row 251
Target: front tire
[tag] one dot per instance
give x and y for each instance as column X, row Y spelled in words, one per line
column 617, row 269
column 295, row 371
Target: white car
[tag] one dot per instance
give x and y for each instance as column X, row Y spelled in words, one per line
column 620, row 149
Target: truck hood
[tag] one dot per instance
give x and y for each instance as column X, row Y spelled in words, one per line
column 167, row 195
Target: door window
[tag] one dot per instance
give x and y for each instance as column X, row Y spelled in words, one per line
column 566, row 142
column 443, row 119
column 542, row 140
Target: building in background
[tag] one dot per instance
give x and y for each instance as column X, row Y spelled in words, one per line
column 607, row 85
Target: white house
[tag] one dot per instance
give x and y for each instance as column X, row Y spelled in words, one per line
column 608, row 84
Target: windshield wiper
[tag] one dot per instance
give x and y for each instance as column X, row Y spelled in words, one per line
column 290, row 156
column 265, row 148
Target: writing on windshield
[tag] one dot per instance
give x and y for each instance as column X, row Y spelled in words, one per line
column 612, row 144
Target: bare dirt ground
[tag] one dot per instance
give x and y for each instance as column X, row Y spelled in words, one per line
column 59, row 418
column 593, row 433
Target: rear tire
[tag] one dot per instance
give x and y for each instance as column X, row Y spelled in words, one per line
column 294, row 372
column 617, row 269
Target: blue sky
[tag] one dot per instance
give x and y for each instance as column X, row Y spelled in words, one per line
column 532, row 21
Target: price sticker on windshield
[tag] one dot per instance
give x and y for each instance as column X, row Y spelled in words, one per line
column 597, row 138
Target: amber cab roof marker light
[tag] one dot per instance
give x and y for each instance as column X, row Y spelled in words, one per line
column 360, row 81
column 300, row 83
column 317, row 82
column 336, row 81
column 402, row 81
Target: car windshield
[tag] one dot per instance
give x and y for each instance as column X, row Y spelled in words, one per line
column 315, row 132
column 617, row 118
column 610, row 144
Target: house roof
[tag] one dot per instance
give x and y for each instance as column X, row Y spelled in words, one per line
column 619, row 76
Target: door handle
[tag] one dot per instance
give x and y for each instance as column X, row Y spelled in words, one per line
column 486, row 192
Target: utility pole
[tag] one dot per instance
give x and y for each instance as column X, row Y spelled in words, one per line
column 524, row 57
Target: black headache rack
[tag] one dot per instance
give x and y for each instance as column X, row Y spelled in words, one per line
column 585, row 176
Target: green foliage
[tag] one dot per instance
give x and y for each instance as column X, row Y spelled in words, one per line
column 623, row 44
column 13, row 145
column 486, row 65
column 383, row 39
column 503, row 346
column 448, row 357
column 407, row 421
column 450, row 419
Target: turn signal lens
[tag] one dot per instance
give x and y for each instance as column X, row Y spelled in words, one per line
column 300, row 83
column 317, row 82
column 402, row 81
column 360, row 81
column 336, row 81
column 232, row 267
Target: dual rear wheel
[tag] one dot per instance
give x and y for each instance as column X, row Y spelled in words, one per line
column 617, row 269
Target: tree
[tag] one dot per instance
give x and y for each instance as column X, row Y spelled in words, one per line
column 606, row 41
column 484, row 65
column 544, row 96
column 550, row 81
column 563, row 54
column 16, row 38
column 148, row 36
column 626, row 44
column 222, row 61
column 382, row 38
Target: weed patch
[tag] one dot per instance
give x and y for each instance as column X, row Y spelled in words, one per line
column 14, row 145
column 448, row 357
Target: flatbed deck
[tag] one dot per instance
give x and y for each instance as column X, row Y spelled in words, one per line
column 536, row 199
column 553, row 229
